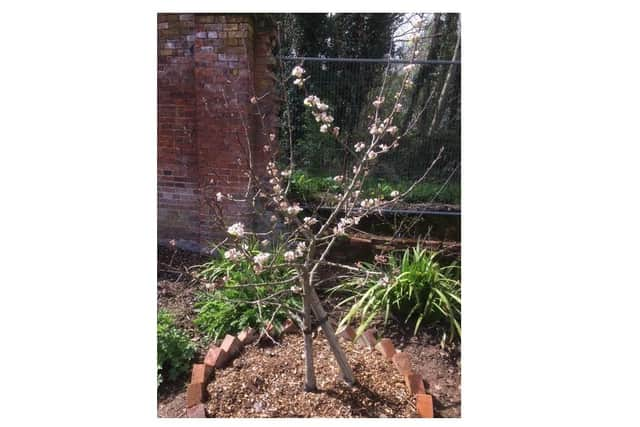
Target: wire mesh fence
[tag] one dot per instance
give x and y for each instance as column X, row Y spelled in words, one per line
column 430, row 110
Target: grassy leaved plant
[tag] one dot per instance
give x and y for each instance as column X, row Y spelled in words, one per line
column 413, row 286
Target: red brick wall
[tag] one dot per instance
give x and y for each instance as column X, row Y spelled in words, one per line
column 209, row 66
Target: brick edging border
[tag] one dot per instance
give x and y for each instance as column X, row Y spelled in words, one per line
column 401, row 360
column 218, row 357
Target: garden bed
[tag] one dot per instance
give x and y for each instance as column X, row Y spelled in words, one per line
column 268, row 381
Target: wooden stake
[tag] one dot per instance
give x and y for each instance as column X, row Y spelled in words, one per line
column 338, row 353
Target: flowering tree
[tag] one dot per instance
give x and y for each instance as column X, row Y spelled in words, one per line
column 303, row 241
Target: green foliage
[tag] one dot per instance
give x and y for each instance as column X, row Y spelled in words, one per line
column 175, row 350
column 426, row 191
column 229, row 309
column 413, row 286
column 310, row 187
column 307, row 187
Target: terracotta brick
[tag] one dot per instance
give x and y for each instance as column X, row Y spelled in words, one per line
column 196, row 411
column 402, row 363
column 271, row 330
column 264, row 339
column 347, row 333
column 216, row 357
column 289, row 327
column 386, row 348
column 424, row 405
column 368, row 339
column 200, row 373
column 247, row 336
column 195, row 394
column 414, row 383
column 230, row 345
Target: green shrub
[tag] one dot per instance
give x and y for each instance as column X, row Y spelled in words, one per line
column 175, row 350
column 412, row 286
column 230, row 308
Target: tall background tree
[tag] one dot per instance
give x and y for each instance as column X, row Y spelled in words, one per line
column 434, row 101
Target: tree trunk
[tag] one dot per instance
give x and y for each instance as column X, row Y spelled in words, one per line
column 310, row 377
column 445, row 87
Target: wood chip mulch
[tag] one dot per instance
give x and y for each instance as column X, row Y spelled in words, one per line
column 268, row 382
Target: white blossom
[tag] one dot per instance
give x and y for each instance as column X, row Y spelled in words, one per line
column 367, row 203
column 266, row 148
column 372, row 155
column 322, row 106
column 236, row 229
column 272, row 137
column 294, row 209
column 274, row 218
column 327, row 118
column 219, row 196
column 395, row 193
column 338, row 178
column 309, row 220
column 254, row 100
column 384, row 148
column 300, row 249
column 311, row 100
column 359, row 146
column 297, row 71
column 324, row 128
column 343, row 224
column 409, row 67
column 336, row 131
column 285, row 173
column 392, row 130
column 376, row 130
column 398, row 107
column 378, row 102
column 265, row 243
column 261, row 258
column 232, row 254
column 289, row 256
column 298, row 82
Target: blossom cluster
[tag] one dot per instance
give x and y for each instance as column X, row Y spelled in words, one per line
column 236, row 230
column 299, row 251
column 319, row 111
column 340, row 229
column 260, row 260
column 298, row 72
